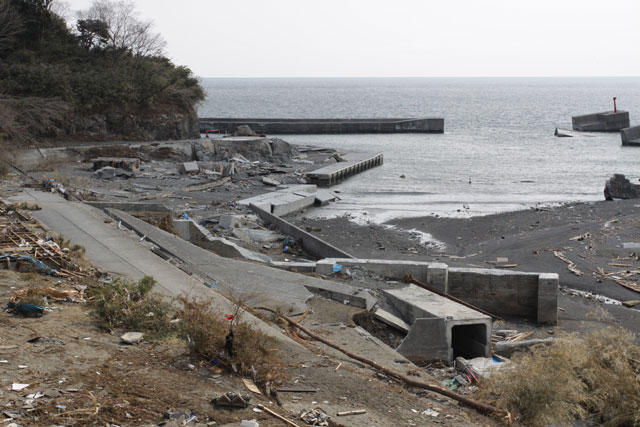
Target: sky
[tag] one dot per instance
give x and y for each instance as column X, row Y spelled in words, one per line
column 397, row 38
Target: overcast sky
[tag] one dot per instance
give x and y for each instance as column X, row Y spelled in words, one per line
column 398, row 38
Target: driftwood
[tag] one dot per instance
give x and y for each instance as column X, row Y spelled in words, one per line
column 479, row 406
column 278, row 416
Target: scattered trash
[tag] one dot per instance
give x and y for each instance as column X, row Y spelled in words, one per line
column 631, row 303
column 232, row 399
column 431, row 413
column 355, row 412
column 18, row 386
column 337, row 268
column 252, row 423
column 451, row 384
column 314, row 417
column 571, row 265
column 251, row 386
column 132, row 337
column 26, row 309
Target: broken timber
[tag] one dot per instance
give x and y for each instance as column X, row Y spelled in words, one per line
column 478, row 406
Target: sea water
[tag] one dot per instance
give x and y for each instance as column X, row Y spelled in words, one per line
column 498, row 151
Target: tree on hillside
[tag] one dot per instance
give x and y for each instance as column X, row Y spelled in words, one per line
column 125, row 30
column 11, row 25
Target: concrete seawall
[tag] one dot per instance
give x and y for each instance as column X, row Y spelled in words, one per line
column 326, row 126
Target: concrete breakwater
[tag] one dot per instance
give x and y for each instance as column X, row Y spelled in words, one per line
column 326, row 126
column 608, row 121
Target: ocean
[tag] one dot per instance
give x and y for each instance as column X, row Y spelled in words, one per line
column 498, row 152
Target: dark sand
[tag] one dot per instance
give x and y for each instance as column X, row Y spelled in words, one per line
column 527, row 238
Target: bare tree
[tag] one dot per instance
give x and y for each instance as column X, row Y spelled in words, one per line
column 126, row 30
column 11, row 25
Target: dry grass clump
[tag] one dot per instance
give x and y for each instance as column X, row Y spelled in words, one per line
column 206, row 330
column 597, row 378
column 131, row 306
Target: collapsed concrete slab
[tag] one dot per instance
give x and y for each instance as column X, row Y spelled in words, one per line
column 192, row 232
column 608, row 121
column 441, row 329
column 188, row 167
column 286, row 200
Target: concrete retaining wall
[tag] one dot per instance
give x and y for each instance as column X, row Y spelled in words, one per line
column 313, row 245
column 324, row 126
column 503, row 293
column 130, row 206
column 630, row 136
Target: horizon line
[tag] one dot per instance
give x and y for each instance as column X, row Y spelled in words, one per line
column 421, row 77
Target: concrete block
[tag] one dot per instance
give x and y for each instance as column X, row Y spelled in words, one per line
column 300, row 267
column 394, row 269
column 183, row 226
column 426, row 341
column 391, row 320
column 250, row 235
column 548, row 284
column 438, row 276
column 630, row 135
column 324, row 197
column 228, row 169
column 106, row 172
column 188, row 167
column 607, row 121
column 289, row 203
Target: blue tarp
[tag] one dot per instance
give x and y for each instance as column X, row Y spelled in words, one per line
column 39, row 264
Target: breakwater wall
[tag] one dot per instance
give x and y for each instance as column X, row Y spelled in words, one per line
column 608, row 121
column 326, row 126
column 631, row 136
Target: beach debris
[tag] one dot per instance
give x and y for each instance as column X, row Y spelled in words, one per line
column 132, row 337
column 244, row 130
column 249, row 423
column 270, row 181
column 45, row 340
column 571, row 266
column 251, row 386
column 188, row 168
column 26, row 309
column 337, row 268
column 314, row 417
column 430, row 413
column 232, row 399
column 276, row 415
column 581, row 237
column 631, row 303
column 19, row 386
column 354, row 412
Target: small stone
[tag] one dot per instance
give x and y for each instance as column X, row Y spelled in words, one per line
column 132, row 337
column 631, row 303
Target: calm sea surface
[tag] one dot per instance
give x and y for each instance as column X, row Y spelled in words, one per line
column 498, row 136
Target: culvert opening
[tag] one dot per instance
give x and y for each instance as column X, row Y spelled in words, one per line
column 469, row 341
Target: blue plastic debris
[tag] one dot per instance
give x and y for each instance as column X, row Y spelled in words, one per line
column 39, row 264
column 337, row 268
column 285, row 249
column 213, row 285
column 186, row 216
column 27, row 309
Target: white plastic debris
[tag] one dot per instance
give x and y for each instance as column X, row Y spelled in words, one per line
column 18, row 386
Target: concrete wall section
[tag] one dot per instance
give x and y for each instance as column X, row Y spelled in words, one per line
column 630, row 136
column 130, row 206
column 315, row 246
column 608, row 121
column 548, row 298
column 496, row 291
column 326, row 126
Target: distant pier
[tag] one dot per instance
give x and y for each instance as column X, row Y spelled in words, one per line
column 325, row 126
column 354, row 164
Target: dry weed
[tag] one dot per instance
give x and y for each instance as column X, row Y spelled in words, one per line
column 596, row 378
column 206, row 330
column 131, row 306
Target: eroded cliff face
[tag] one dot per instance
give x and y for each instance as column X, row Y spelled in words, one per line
column 171, row 126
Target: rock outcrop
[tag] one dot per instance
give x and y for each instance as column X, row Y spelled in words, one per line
column 619, row 187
